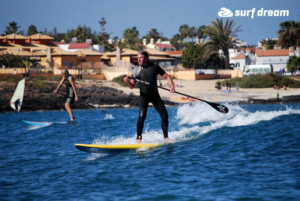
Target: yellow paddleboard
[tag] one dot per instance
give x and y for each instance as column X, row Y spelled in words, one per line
column 112, row 148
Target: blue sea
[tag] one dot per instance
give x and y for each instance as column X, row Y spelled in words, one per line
column 250, row 153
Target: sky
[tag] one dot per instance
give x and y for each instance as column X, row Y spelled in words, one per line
column 261, row 21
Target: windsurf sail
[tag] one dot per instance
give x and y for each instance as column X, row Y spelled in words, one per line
column 17, row 99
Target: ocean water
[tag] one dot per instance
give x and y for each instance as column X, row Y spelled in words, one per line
column 251, row 153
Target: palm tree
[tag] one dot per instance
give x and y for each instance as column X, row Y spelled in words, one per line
column 12, row 60
column 176, row 41
column 153, row 33
column 183, row 30
column 12, row 28
column 191, row 33
column 269, row 43
column 200, row 32
column 221, row 37
column 289, row 34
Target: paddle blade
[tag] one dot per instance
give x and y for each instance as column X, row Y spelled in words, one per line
column 219, row 107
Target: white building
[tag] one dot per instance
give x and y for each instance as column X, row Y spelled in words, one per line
column 73, row 46
column 277, row 57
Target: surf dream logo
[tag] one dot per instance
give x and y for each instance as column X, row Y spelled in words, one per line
column 225, row 12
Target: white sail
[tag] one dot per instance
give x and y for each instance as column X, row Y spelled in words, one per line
column 17, row 99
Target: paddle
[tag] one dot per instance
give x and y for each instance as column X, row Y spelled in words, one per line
column 216, row 106
column 87, row 104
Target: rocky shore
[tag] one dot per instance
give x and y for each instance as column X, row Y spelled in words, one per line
column 106, row 94
column 92, row 93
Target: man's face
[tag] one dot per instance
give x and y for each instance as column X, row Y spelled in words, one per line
column 142, row 60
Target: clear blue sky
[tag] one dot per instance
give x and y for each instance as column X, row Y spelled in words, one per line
column 164, row 15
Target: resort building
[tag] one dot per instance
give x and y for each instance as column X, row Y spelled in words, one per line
column 277, row 57
column 159, row 45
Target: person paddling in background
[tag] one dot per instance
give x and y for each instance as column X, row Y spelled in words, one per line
column 69, row 82
column 147, row 71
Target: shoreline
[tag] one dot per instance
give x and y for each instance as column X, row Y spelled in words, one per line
column 205, row 89
column 100, row 94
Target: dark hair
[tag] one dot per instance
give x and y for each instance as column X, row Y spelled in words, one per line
column 143, row 52
column 66, row 72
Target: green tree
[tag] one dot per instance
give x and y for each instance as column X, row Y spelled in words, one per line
column 269, row 43
column 32, row 30
column 130, row 37
column 12, row 28
column 293, row 63
column 192, row 56
column 289, row 34
column 221, row 37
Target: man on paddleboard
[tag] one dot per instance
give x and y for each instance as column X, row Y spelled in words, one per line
column 148, row 72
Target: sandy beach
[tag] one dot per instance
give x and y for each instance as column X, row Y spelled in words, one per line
column 205, row 89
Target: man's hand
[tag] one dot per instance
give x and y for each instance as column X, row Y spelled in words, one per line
column 172, row 89
column 126, row 79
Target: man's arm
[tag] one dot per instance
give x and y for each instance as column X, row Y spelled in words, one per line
column 170, row 81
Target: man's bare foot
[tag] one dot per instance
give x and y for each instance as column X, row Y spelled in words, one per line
column 139, row 141
column 169, row 140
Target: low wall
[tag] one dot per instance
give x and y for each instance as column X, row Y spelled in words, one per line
column 10, row 71
column 93, row 76
column 205, row 77
column 185, row 74
column 236, row 73
column 111, row 75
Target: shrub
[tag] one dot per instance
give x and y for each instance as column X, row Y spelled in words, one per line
column 12, row 78
column 263, row 81
column 37, row 84
column 55, row 78
column 120, row 81
column 41, row 77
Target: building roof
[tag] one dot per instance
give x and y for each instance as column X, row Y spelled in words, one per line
column 88, row 52
column 40, row 36
column 124, row 52
column 58, row 43
column 23, row 53
column 15, row 36
column 152, row 52
column 164, row 45
column 79, row 45
column 239, row 56
column 174, row 53
column 270, row 53
column 59, row 52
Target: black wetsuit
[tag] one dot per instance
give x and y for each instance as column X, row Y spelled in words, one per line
column 70, row 91
column 150, row 94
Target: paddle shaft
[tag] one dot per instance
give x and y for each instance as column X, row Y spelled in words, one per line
column 216, row 106
column 87, row 104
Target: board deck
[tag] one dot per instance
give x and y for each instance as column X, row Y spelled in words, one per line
column 35, row 123
column 112, row 148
